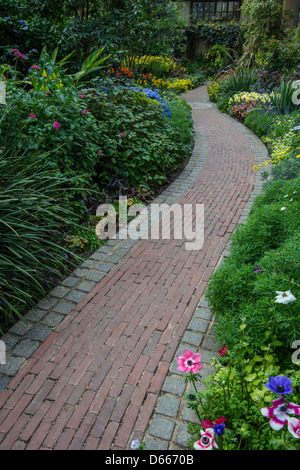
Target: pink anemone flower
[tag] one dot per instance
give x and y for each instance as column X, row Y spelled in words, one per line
column 279, row 413
column 206, row 441
column 189, row 362
column 294, row 427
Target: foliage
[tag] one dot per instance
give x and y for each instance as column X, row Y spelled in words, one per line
column 247, row 59
column 178, row 85
column 241, row 103
column 83, row 26
column 144, row 27
column 276, row 131
column 268, row 240
column 264, row 19
column 217, row 57
column 33, row 208
column 283, row 97
column 56, row 118
column 236, row 82
column 140, row 144
column 156, row 65
column 224, row 34
column 236, row 393
column 275, row 55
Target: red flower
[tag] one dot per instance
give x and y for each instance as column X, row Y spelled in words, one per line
column 207, row 424
column 220, row 420
column 223, row 351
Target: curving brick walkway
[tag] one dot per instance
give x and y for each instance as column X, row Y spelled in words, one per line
column 106, row 374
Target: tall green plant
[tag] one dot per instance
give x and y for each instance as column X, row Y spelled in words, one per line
column 32, row 210
column 282, row 99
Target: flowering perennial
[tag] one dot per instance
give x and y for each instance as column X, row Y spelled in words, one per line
column 279, row 412
column 189, row 362
column 284, row 297
column 206, row 441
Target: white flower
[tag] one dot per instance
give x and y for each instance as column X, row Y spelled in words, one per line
column 135, row 444
column 284, row 297
column 283, row 208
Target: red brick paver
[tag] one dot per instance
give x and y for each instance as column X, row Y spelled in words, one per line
column 96, row 379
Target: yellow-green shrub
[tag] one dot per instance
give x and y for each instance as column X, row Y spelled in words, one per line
column 213, row 91
column 157, row 65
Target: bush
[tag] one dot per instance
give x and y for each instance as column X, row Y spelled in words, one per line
column 264, row 258
column 140, row 144
column 241, row 103
column 157, row 65
column 275, row 55
column 56, row 118
column 225, row 34
column 236, row 82
column 33, row 208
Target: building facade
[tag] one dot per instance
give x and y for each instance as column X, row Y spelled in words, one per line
column 215, row 10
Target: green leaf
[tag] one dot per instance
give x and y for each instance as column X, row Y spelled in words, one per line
column 257, row 358
column 269, row 358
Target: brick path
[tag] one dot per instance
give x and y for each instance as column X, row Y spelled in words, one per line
column 106, row 373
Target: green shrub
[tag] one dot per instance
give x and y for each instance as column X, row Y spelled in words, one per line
column 149, row 148
column 217, row 57
column 259, row 121
column 33, row 208
column 55, row 118
column 264, row 258
column 237, row 82
column 157, row 65
column 225, row 34
column 282, row 98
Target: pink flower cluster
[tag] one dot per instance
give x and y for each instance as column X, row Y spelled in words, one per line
column 35, row 67
column 241, row 110
column 18, row 54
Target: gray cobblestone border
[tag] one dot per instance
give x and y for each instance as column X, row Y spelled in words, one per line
column 167, row 429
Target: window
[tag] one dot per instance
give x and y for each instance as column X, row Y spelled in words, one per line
column 215, row 10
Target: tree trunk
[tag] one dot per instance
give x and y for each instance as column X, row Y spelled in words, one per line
column 297, row 11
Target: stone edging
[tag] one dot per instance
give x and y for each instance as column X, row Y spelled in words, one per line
column 167, row 429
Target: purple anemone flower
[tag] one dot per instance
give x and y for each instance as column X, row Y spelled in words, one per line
column 280, row 385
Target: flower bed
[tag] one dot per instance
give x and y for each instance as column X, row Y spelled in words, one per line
column 98, row 140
